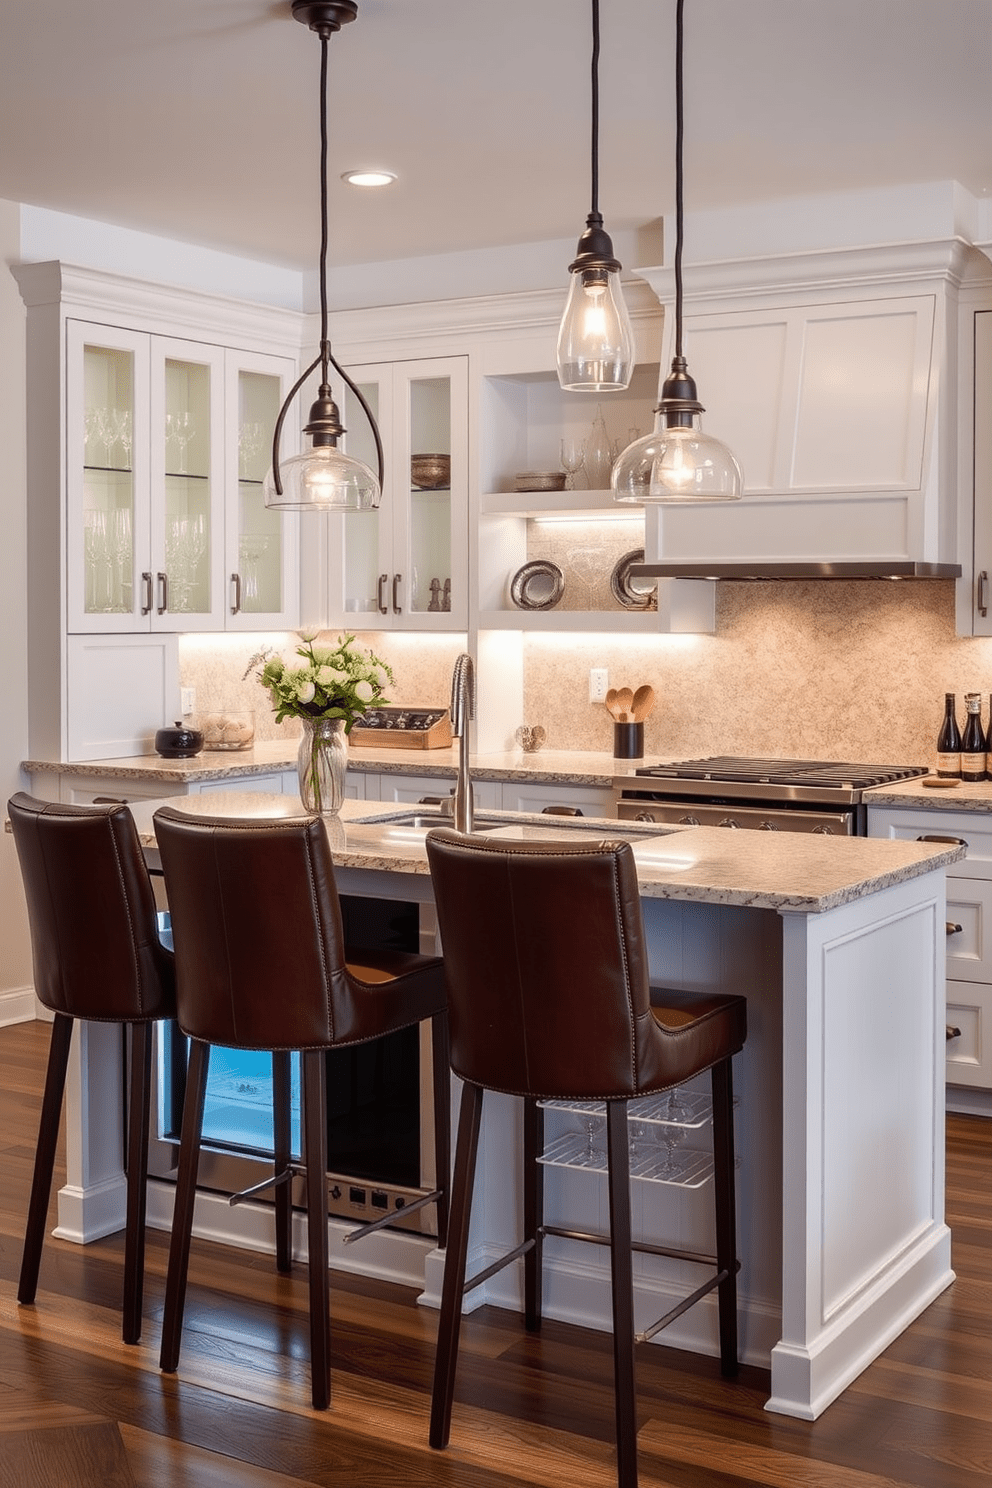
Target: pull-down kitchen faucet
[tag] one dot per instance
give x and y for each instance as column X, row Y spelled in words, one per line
column 462, row 710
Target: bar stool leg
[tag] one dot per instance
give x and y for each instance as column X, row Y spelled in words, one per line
column 182, row 1217
column 453, row 1288
column 281, row 1142
column 726, row 1217
column 533, row 1212
column 137, row 1175
column 623, row 1293
column 441, row 1066
column 314, row 1078
column 44, row 1161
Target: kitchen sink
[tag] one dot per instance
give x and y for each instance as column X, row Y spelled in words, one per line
column 486, row 824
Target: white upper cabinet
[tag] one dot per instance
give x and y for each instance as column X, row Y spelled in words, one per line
column 167, row 442
column 835, row 389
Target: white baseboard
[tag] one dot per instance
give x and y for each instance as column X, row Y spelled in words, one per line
column 18, row 1005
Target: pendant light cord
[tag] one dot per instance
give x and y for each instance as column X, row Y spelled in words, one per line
column 595, row 107
column 325, row 349
column 679, row 125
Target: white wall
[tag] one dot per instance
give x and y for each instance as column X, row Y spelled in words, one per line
column 16, row 997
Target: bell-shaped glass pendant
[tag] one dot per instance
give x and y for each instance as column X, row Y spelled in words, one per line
column 678, row 463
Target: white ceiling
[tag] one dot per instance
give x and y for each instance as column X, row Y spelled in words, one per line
column 197, row 119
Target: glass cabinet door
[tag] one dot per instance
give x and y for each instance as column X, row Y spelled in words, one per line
column 187, row 485
column 262, row 544
column 405, row 565
column 107, row 425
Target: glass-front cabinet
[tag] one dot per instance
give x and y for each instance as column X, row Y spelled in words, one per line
column 167, row 444
column 405, row 565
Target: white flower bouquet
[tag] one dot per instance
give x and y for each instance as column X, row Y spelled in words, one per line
column 330, row 682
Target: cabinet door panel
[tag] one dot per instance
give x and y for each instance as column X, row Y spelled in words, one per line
column 969, row 950
column 261, row 565
column 107, row 531
column 969, row 1052
column 187, row 494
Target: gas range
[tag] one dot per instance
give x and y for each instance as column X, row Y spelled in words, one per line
column 825, row 796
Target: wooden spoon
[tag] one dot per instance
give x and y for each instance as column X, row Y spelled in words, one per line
column 643, row 703
column 611, row 701
column 624, row 702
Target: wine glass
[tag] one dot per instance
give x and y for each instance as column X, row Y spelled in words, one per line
column 573, row 454
column 120, row 419
column 180, row 429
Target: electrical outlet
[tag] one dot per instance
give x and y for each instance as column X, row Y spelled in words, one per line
column 599, row 681
column 188, row 696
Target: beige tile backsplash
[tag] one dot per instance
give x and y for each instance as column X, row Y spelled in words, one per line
column 821, row 669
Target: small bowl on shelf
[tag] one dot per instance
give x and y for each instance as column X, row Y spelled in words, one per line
column 430, row 472
column 541, row 480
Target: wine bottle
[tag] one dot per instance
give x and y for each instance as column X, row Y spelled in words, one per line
column 973, row 743
column 949, row 742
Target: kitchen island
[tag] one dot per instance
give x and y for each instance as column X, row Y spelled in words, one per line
column 838, row 946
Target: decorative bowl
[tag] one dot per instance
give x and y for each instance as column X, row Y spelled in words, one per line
column 541, row 480
column 430, row 472
column 230, row 729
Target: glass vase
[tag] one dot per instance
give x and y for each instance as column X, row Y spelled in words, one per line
column 322, row 763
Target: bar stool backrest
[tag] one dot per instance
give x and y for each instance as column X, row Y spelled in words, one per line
column 260, row 961
column 547, row 970
column 91, row 911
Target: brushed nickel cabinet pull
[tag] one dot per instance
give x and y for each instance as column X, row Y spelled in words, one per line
column 146, row 579
column 380, row 602
column 983, row 592
column 397, row 607
column 163, row 593
column 236, row 605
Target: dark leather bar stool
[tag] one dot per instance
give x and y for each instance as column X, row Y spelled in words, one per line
column 549, row 998
column 261, row 964
column 97, row 955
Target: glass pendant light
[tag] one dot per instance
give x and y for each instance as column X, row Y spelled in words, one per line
column 595, row 340
column 323, row 478
column 678, row 462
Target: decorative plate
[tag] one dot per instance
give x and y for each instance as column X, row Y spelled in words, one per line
column 633, row 593
column 537, row 586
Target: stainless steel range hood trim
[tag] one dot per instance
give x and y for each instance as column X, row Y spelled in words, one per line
column 874, row 568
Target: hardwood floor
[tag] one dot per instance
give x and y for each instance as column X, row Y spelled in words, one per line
column 79, row 1409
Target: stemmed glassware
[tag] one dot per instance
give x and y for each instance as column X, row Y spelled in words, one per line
column 179, row 429
column 250, row 438
column 120, row 425
column 185, row 545
column 573, row 455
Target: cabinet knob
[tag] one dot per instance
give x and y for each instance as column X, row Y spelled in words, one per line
column 951, row 929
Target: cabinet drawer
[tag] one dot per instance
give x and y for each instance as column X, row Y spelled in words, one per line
column 969, row 950
column 969, row 1055
column 909, row 824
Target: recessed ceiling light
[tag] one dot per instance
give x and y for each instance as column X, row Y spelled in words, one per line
column 369, row 177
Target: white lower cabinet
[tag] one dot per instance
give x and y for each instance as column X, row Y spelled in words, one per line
column 536, row 795
column 969, row 933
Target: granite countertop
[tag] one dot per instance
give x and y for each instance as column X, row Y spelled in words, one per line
column 565, row 766
column 956, row 797
column 783, row 871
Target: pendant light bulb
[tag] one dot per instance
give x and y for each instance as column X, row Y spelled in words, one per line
column 323, row 478
column 595, row 340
